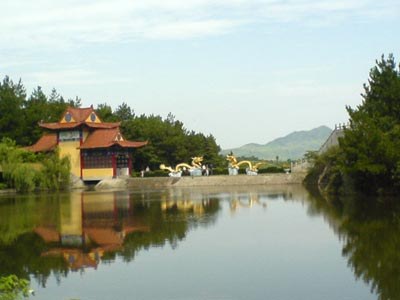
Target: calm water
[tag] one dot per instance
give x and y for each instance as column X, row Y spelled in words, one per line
column 226, row 243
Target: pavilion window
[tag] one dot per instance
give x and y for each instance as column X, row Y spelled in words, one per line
column 97, row 161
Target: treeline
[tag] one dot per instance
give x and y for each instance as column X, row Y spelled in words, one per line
column 368, row 156
column 169, row 141
column 19, row 114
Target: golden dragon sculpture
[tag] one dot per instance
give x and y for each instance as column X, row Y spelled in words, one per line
column 235, row 164
column 196, row 164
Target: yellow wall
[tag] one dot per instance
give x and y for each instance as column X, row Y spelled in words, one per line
column 70, row 148
column 97, row 174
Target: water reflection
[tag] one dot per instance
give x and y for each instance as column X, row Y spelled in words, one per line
column 370, row 231
column 40, row 235
column 54, row 235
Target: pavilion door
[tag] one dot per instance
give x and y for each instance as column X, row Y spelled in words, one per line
column 123, row 165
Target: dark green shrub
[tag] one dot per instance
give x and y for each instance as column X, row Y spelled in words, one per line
column 271, row 169
column 220, row 171
column 155, row 173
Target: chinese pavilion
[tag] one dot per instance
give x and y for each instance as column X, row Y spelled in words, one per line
column 97, row 149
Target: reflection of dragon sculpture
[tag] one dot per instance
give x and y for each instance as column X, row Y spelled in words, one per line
column 235, row 164
column 196, row 164
column 245, row 200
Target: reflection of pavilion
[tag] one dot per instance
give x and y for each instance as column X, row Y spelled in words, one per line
column 91, row 224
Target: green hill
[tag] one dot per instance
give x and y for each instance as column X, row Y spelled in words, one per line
column 292, row 146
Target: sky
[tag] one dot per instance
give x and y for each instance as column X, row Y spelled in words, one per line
column 245, row 71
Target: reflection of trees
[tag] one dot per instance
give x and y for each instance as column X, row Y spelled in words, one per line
column 372, row 249
column 43, row 236
column 370, row 231
column 23, row 258
column 20, row 247
column 19, row 214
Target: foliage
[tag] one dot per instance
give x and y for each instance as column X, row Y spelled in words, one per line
column 12, row 288
column 325, row 170
column 15, row 173
column 367, row 158
column 19, row 115
column 370, row 148
column 105, row 113
column 55, row 174
column 169, row 142
column 12, row 98
column 220, row 171
column 271, row 169
column 49, row 172
column 22, row 177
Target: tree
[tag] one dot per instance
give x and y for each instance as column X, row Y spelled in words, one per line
column 57, row 106
column 124, row 112
column 105, row 113
column 77, row 102
column 12, row 98
column 36, row 110
column 169, row 142
column 370, row 147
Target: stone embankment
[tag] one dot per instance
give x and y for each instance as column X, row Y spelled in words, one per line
column 202, row 181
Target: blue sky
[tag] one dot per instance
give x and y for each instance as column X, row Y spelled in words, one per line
column 242, row 70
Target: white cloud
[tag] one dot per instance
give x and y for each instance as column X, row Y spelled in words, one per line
column 188, row 29
column 74, row 76
column 58, row 24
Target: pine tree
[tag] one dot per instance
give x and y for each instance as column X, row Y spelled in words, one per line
column 370, row 147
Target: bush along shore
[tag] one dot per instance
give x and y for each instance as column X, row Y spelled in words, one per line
column 367, row 159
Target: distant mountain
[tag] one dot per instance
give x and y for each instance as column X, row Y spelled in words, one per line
column 292, row 146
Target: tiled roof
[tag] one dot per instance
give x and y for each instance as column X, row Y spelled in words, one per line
column 130, row 144
column 59, row 125
column 103, row 125
column 80, row 114
column 46, row 143
column 79, row 117
column 104, row 138
column 55, row 126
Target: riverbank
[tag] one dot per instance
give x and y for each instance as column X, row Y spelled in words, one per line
column 7, row 191
column 201, row 181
